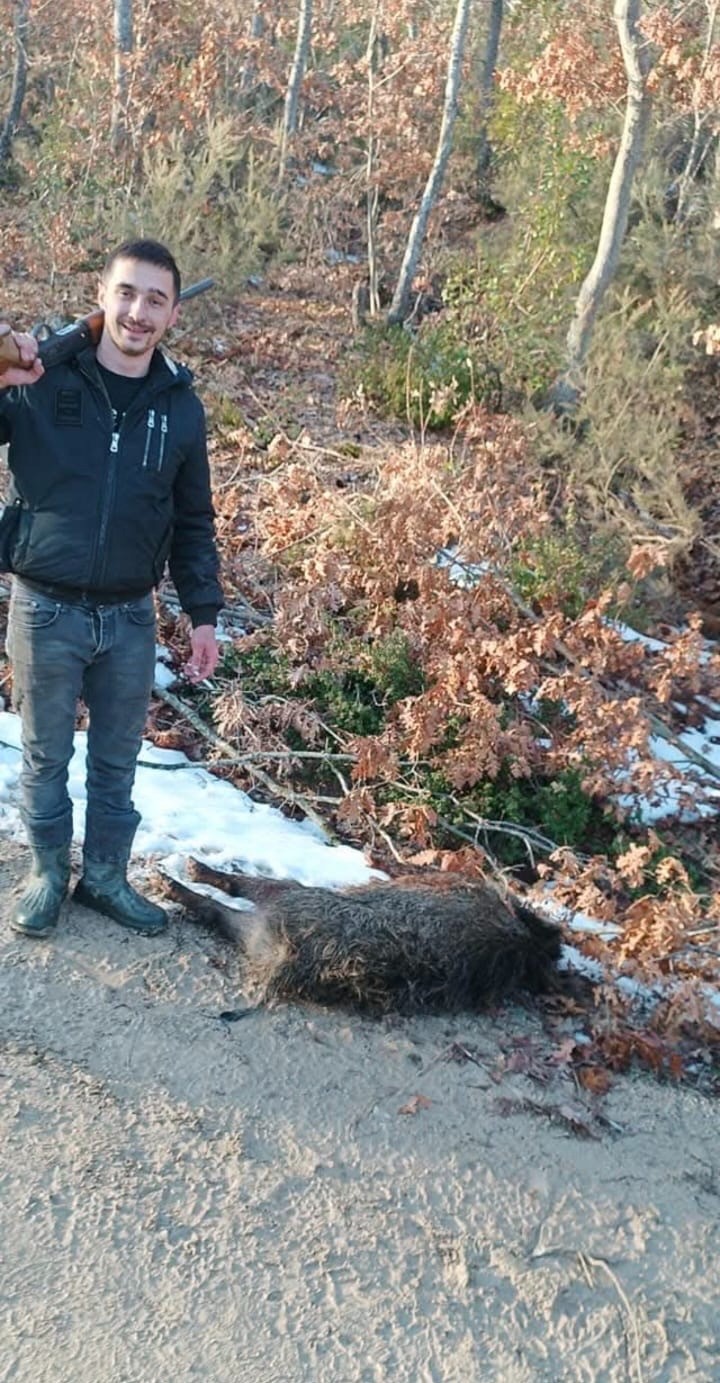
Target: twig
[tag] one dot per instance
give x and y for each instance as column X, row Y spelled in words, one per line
column 287, row 794
column 238, row 606
column 586, row 1259
column 389, row 842
column 692, row 755
column 528, row 836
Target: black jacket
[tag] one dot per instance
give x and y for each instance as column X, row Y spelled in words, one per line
column 103, row 511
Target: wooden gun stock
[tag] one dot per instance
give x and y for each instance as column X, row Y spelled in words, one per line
column 63, row 345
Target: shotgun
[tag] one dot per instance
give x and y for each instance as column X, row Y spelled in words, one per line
column 62, row 345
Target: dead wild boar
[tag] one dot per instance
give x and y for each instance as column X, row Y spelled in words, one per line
column 402, row 946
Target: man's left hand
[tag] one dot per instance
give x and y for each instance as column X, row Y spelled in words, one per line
column 205, row 653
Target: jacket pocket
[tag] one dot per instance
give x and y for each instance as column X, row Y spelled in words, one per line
column 9, row 524
column 162, row 554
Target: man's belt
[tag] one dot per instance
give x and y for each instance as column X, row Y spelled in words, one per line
column 72, row 595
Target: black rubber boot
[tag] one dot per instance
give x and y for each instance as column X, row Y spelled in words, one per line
column 37, row 910
column 104, row 888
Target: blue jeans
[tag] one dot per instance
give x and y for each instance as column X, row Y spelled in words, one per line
column 61, row 650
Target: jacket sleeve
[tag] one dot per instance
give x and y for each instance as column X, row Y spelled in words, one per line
column 194, row 560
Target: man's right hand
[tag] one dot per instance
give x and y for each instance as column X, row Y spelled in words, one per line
column 30, row 369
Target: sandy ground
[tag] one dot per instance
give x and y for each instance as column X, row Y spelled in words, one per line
column 184, row 1197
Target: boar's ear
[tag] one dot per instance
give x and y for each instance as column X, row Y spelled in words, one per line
column 544, row 934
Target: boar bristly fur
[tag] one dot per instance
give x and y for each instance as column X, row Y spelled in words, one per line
column 402, row 946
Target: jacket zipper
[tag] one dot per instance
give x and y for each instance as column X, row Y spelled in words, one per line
column 109, row 490
column 163, row 435
column 109, row 494
column 148, row 436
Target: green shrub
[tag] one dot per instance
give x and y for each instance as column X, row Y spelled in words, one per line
column 214, row 196
column 557, row 808
column 425, row 379
column 559, row 568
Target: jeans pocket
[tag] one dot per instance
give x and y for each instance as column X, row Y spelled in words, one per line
column 33, row 611
column 141, row 611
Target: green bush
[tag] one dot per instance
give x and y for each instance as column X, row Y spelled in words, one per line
column 353, row 696
column 425, row 379
column 559, row 568
column 557, row 808
column 215, row 196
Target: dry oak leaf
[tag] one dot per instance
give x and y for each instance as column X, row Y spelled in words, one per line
column 632, row 865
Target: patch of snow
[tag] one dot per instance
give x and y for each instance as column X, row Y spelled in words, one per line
column 187, row 811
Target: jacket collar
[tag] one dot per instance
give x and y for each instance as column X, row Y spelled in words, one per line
column 164, row 372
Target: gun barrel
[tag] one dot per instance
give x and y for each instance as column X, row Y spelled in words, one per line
column 193, row 289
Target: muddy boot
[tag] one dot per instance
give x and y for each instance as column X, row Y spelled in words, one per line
column 37, row 910
column 104, row 888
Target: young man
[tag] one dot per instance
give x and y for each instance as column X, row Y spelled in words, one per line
column 109, row 466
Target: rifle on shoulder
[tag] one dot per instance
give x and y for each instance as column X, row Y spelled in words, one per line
column 59, row 346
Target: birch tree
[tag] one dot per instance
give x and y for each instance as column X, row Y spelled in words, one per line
column 297, row 72
column 19, row 80
column 123, row 51
column 565, row 393
column 401, row 298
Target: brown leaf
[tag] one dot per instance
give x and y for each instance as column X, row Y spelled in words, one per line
column 594, row 1079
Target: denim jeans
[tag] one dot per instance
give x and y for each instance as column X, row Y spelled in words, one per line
column 61, row 650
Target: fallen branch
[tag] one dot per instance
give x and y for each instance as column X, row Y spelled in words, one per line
column 238, row 759
column 587, row 1261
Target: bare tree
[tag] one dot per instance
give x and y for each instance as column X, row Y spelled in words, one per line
column 371, row 188
column 297, row 72
column 401, row 298
column 123, row 51
column 17, row 93
column 566, row 390
column 487, row 76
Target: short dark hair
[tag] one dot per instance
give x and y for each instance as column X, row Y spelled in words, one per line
column 148, row 252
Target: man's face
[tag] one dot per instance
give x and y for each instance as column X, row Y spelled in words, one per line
column 139, row 304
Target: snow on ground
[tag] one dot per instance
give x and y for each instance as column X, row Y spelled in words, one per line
column 187, row 811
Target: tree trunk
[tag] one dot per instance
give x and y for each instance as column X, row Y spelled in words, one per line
column 17, row 94
column 297, row 72
column 492, row 48
column 401, row 299
column 566, row 391
column 371, row 190
column 123, row 50
column 257, row 29
column 704, row 132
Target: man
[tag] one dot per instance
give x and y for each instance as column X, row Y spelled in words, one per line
column 109, row 470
